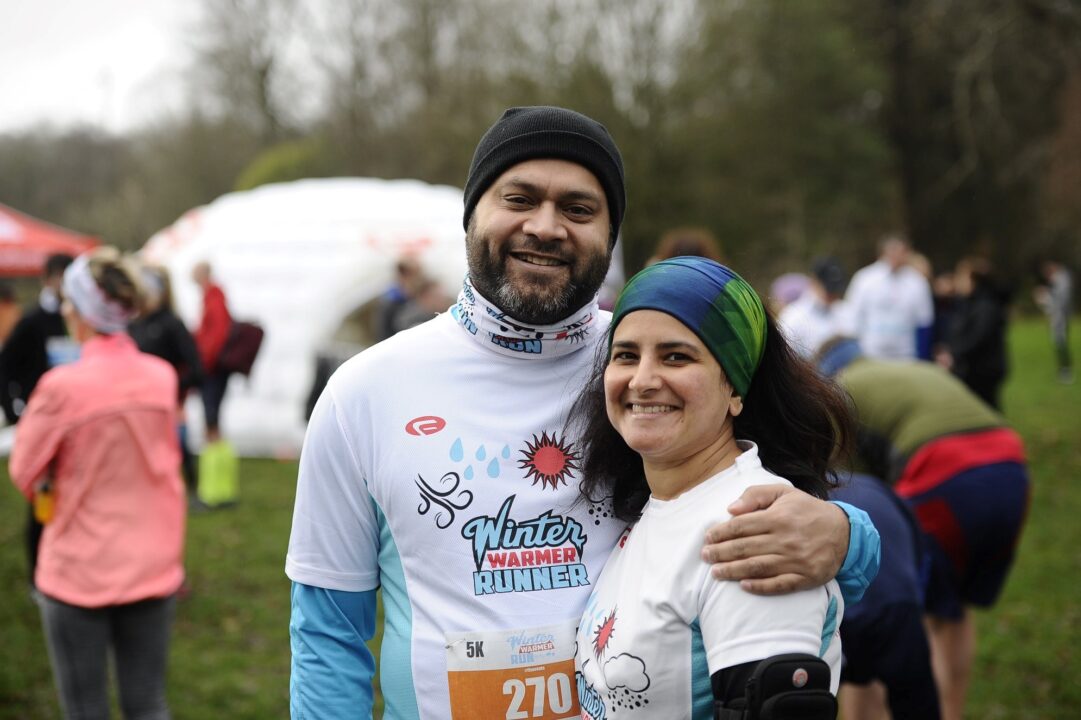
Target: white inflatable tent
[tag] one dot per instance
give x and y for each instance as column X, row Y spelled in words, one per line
column 299, row 258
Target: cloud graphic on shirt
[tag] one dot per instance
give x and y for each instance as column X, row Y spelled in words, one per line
column 626, row 671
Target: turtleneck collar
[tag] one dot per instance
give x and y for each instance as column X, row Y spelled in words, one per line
column 496, row 330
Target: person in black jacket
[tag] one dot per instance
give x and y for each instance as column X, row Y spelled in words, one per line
column 159, row 331
column 38, row 341
column 976, row 336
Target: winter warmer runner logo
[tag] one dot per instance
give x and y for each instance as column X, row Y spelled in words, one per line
column 544, row 553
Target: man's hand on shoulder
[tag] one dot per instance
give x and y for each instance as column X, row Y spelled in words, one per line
column 780, row 540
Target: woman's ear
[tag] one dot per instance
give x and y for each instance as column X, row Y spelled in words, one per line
column 735, row 405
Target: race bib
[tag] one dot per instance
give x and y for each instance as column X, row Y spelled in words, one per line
column 525, row 674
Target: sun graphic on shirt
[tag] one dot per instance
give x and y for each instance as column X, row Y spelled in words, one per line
column 549, row 460
column 603, row 634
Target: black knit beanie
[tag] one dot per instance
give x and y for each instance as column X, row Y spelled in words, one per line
column 530, row 133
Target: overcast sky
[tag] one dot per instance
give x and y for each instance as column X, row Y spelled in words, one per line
column 111, row 63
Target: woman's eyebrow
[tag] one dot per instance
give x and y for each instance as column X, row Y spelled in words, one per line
column 667, row 345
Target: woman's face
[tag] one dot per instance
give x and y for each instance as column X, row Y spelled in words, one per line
column 665, row 393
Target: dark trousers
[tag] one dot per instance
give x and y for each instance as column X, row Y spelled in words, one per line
column 214, row 386
column 188, row 465
column 986, row 388
column 33, row 540
column 79, row 640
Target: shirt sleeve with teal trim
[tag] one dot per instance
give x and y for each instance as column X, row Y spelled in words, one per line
column 333, row 562
column 864, row 553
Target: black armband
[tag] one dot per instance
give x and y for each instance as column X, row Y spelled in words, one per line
column 795, row 686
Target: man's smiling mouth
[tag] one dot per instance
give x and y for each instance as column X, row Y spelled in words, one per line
column 541, row 260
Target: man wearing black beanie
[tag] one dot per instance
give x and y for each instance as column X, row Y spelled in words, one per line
column 538, row 146
column 437, row 466
column 527, row 133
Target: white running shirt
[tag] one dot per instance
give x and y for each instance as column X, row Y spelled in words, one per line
column 658, row 625
column 887, row 307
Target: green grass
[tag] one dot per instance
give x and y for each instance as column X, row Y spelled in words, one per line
column 1028, row 660
column 230, row 652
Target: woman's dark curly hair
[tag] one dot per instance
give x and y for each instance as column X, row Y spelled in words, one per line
column 800, row 420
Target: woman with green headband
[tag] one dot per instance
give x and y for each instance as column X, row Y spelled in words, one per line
column 698, row 398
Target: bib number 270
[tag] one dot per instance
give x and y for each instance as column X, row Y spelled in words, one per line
column 536, row 696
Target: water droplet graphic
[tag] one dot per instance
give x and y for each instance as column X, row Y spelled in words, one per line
column 481, row 454
column 456, row 451
column 506, row 452
column 493, row 468
column 468, row 473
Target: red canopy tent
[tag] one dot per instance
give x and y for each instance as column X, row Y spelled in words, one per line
column 26, row 242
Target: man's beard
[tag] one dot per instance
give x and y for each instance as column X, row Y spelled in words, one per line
column 535, row 304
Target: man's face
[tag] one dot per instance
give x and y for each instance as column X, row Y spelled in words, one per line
column 537, row 242
column 895, row 252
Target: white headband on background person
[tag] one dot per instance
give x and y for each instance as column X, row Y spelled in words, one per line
column 101, row 313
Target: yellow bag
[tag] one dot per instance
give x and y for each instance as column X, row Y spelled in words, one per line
column 44, row 503
column 219, row 474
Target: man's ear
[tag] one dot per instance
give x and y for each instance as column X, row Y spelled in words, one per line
column 735, row 405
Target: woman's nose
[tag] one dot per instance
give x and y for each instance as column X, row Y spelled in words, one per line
column 645, row 377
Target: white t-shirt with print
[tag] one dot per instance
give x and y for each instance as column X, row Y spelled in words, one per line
column 441, row 470
column 658, row 625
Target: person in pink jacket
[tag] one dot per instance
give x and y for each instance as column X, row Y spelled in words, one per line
column 96, row 451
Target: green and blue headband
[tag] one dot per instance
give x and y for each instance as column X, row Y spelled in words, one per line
column 712, row 301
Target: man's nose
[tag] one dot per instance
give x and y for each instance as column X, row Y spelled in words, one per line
column 546, row 222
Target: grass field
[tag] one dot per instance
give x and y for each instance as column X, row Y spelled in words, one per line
column 230, row 652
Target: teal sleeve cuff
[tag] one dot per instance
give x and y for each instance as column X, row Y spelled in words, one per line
column 332, row 668
column 864, row 554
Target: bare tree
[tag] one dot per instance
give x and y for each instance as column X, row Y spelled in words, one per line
column 241, row 62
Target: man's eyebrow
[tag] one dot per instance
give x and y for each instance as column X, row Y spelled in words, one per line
column 531, row 188
column 521, row 184
column 580, row 196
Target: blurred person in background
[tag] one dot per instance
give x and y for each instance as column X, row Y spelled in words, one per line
column 887, row 657
column 687, row 242
column 891, row 305
column 427, row 300
column 785, row 290
column 921, row 264
column 962, row 471
column 96, row 452
column 1055, row 295
column 944, row 295
column 37, row 342
column 214, row 326
column 820, row 312
column 413, row 299
column 408, row 274
column 160, row 332
column 974, row 346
